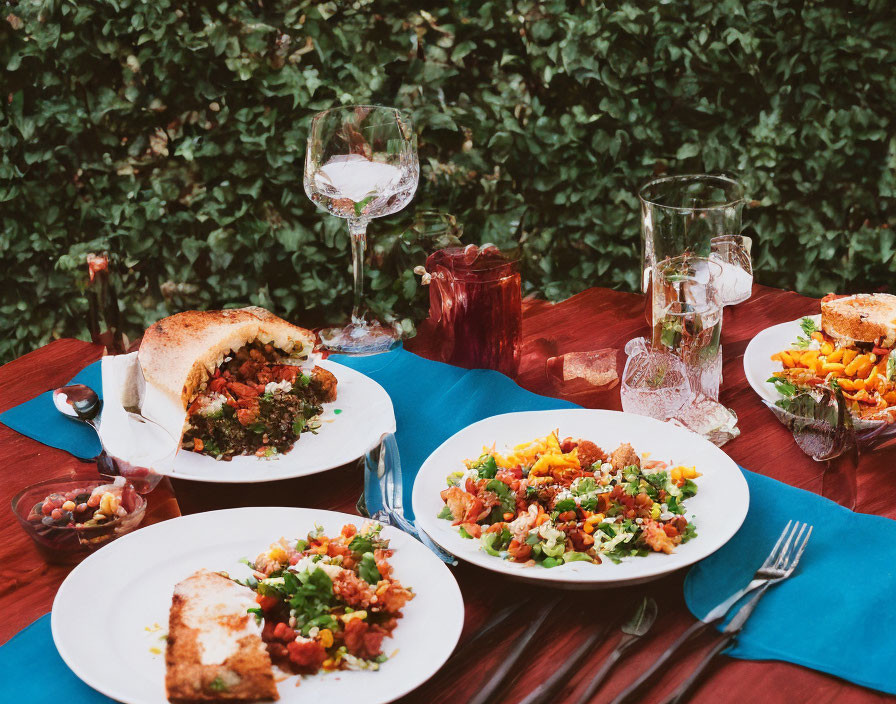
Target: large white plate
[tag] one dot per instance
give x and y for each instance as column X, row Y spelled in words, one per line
column 103, row 608
column 758, row 364
column 718, row 509
column 365, row 415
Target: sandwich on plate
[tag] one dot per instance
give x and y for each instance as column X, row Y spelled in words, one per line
column 853, row 349
column 245, row 380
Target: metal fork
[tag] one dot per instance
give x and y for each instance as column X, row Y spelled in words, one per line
column 771, row 570
column 786, row 564
column 385, row 466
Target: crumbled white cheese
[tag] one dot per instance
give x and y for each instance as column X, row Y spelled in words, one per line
column 309, row 563
column 564, row 494
column 273, row 387
column 666, row 516
column 213, row 404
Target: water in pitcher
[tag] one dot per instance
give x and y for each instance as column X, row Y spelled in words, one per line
column 476, row 304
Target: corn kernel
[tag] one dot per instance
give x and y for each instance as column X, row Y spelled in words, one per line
column 326, row 637
column 278, row 554
column 588, row 528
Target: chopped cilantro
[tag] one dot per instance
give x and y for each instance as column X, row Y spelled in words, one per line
column 367, row 569
column 782, row 386
column 486, row 467
column 565, row 505
column 218, row 685
column 446, row 513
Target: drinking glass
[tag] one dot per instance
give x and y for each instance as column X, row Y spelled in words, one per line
column 361, row 163
column 682, row 214
column 476, row 307
column 654, row 381
column 732, row 253
column 686, row 318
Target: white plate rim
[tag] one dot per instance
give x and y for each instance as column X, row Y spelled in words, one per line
column 569, row 575
column 787, row 334
column 446, row 578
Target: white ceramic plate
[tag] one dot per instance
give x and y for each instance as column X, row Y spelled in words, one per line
column 758, row 364
column 365, row 415
column 718, row 509
column 103, row 608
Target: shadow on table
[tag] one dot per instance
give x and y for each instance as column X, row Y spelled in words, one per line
column 334, row 490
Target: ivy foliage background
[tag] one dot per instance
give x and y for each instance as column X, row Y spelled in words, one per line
column 172, row 135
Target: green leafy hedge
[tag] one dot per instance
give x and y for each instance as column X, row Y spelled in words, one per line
column 172, row 134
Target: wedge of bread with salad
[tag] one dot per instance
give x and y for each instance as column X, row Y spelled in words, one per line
column 245, row 381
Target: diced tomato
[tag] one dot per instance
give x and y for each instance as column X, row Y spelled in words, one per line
column 474, row 529
column 671, row 530
column 470, row 486
column 568, row 445
column 308, row 655
column 242, row 390
column 248, row 369
column 266, row 602
column 217, row 384
column 286, row 373
column 880, row 351
column 519, row 552
column 246, row 416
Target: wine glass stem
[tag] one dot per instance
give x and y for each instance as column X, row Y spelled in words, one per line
column 357, row 228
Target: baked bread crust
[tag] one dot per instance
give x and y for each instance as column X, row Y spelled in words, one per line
column 864, row 317
column 246, row 675
column 180, row 352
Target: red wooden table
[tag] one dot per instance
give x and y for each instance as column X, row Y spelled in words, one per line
column 594, row 319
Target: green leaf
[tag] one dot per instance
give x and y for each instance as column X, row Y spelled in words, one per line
column 367, row 569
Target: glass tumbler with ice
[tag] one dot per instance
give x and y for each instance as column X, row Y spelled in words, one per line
column 654, row 382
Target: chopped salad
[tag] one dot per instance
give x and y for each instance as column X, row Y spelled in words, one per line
column 864, row 372
column 328, row 602
column 549, row 502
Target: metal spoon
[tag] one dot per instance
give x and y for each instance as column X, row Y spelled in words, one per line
column 78, row 402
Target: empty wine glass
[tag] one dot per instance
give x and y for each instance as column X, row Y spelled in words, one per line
column 361, row 163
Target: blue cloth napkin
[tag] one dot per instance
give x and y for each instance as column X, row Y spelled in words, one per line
column 832, row 616
column 39, row 419
column 835, row 614
column 48, row 679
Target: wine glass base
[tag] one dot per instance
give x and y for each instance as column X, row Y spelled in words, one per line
column 359, row 338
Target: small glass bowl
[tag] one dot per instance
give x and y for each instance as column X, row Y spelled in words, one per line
column 68, row 545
